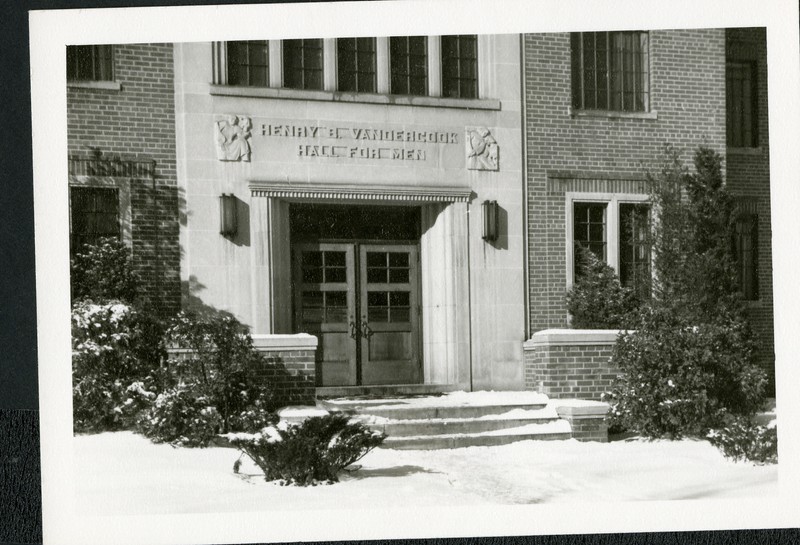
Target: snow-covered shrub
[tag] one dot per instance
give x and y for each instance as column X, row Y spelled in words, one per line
column 103, row 271
column 114, row 364
column 741, row 439
column 182, row 417
column 598, row 300
column 311, row 452
column 680, row 380
column 222, row 366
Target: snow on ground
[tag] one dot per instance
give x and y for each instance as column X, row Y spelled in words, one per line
column 454, row 399
column 124, row 473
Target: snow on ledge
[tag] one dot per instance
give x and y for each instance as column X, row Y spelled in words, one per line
column 455, row 399
column 300, row 341
column 571, row 336
column 579, row 407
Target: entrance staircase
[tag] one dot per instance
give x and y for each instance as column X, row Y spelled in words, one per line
column 455, row 420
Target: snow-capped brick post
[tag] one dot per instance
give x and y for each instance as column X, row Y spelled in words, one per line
column 289, row 366
column 570, row 363
column 587, row 418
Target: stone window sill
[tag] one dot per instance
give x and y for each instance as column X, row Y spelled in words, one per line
column 610, row 114
column 361, row 98
column 104, row 85
column 746, row 151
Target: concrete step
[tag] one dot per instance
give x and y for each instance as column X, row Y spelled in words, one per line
column 550, row 431
column 439, row 426
column 455, row 405
column 384, row 390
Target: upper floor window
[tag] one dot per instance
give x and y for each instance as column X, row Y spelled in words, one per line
column 94, row 214
column 90, row 63
column 302, row 64
column 409, row 65
column 610, row 71
column 356, row 65
column 740, row 100
column 460, row 66
column 248, row 63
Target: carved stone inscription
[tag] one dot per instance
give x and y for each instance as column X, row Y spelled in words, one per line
column 482, row 151
column 231, row 136
column 359, row 142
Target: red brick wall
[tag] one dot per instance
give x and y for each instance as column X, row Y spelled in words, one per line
column 748, row 178
column 570, row 371
column 137, row 122
column 293, row 374
column 574, row 153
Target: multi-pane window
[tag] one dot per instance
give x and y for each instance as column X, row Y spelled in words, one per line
column 248, row 63
column 740, row 99
column 94, row 214
column 589, row 230
column 634, row 247
column 356, row 65
column 409, row 65
column 302, row 64
column 610, row 71
column 745, row 250
column 460, row 66
column 90, row 63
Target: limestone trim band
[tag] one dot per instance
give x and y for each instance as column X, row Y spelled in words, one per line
column 370, row 192
column 563, row 337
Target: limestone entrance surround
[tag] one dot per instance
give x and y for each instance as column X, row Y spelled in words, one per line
column 444, row 260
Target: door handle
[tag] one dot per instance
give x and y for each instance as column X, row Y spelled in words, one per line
column 366, row 331
column 354, row 329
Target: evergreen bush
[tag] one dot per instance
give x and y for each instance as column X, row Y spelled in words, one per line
column 218, row 372
column 181, row 416
column 598, row 300
column 740, row 439
column 314, row 451
column 690, row 363
column 115, row 365
column 103, row 272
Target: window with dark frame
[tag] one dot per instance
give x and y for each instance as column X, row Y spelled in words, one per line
column 90, row 63
column 356, row 66
column 94, row 215
column 460, row 66
column 745, row 251
column 302, row 64
column 634, row 248
column 740, row 100
column 589, row 231
column 610, row 71
column 408, row 56
column 248, row 63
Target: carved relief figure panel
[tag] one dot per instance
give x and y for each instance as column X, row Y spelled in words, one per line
column 232, row 136
column 482, row 149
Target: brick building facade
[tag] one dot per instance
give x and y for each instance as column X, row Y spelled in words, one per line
column 121, row 140
column 473, row 180
column 579, row 157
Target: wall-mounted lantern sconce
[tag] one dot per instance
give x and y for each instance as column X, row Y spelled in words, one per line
column 490, row 221
column 228, row 221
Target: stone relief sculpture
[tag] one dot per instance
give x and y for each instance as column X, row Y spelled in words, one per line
column 482, row 150
column 231, row 136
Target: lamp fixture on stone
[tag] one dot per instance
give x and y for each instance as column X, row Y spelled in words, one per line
column 490, row 221
column 228, row 220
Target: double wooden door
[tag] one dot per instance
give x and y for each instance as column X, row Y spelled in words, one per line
column 362, row 302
